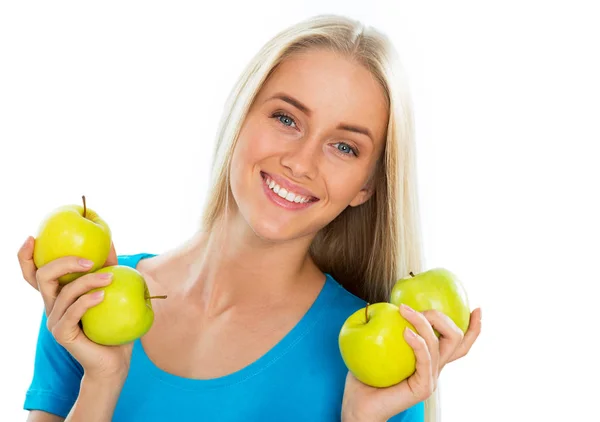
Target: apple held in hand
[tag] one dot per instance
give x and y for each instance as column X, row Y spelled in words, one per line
column 125, row 314
column 437, row 289
column 373, row 347
column 72, row 230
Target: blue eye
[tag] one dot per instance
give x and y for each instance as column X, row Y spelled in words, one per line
column 284, row 119
column 346, row 149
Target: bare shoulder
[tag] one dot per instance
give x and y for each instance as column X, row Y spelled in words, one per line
column 158, row 271
column 146, row 265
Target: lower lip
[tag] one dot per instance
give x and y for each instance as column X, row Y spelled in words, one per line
column 284, row 203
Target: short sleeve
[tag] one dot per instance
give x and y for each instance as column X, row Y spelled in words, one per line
column 412, row 414
column 56, row 376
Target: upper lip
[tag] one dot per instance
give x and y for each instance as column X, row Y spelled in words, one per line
column 289, row 186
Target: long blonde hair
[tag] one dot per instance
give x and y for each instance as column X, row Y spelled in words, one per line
column 369, row 247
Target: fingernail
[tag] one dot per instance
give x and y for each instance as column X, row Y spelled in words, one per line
column 85, row 263
column 105, row 276
column 406, row 308
column 98, row 295
column 410, row 333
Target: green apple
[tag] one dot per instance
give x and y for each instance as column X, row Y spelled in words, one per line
column 72, row 230
column 373, row 347
column 437, row 289
column 125, row 314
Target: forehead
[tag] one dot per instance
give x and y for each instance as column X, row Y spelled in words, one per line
column 333, row 87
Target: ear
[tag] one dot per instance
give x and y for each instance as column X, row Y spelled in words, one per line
column 364, row 194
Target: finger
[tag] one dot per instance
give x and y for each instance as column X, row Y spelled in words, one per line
column 66, row 330
column 421, row 383
column 417, row 387
column 73, row 291
column 25, row 256
column 47, row 276
column 112, row 256
column 470, row 336
column 451, row 336
column 424, row 329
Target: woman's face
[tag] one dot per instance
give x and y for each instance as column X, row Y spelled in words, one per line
column 308, row 146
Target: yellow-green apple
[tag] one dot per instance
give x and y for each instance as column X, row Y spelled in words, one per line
column 72, row 230
column 373, row 347
column 125, row 313
column 437, row 289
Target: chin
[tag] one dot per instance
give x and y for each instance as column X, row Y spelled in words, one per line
column 277, row 233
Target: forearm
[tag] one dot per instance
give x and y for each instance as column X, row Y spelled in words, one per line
column 97, row 400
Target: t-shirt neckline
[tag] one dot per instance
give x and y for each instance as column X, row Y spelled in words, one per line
column 287, row 343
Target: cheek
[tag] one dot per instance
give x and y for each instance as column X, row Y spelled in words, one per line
column 343, row 186
column 255, row 144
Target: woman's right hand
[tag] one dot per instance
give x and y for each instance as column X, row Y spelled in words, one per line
column 65, row 305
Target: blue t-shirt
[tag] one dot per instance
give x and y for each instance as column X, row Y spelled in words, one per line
column 300, row 379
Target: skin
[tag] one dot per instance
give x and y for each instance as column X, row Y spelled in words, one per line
column 308, row 149
column 237, row 282
column 251, row 269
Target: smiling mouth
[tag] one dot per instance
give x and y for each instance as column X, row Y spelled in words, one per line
column 288, row 195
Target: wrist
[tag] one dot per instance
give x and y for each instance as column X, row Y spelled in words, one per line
column 105, row 377
column 112, row 380
column 98, row 396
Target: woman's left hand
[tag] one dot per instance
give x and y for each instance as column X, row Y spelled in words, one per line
column 364, row 403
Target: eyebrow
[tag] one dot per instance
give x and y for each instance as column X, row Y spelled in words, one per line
column 342, row 126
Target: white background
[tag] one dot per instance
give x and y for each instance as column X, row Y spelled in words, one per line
column 120, row 101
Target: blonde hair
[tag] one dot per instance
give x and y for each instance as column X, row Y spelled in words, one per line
column 369, row 247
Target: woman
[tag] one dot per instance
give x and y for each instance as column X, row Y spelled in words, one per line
column 312, row 212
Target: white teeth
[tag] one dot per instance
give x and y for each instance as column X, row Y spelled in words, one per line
column 284, row 193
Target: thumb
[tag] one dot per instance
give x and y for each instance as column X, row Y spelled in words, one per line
column 112, row 256
column 28, row 268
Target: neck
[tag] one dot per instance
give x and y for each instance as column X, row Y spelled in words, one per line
column 231, row 267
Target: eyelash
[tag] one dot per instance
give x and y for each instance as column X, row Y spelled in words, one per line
column 278, row 115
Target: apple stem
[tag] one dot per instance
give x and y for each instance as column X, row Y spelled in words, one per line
column 367, row 313
column 157, row 297
column 84, row 207
column 411, row 274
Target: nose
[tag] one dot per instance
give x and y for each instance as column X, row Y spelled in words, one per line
column 302, row 159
